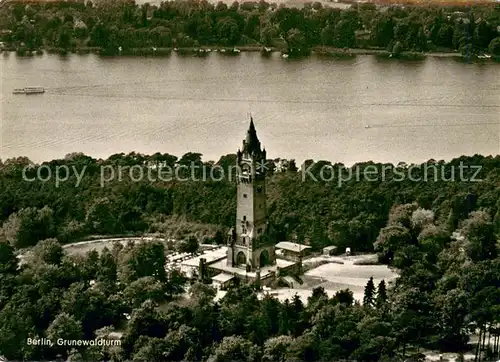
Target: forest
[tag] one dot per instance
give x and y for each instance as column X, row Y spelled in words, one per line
column 441, row 239
column 122, row 26
column 441, row 235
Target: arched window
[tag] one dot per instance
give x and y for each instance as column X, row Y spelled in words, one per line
column 264, row 258
column 241, row 258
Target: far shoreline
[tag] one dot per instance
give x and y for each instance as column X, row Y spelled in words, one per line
column 330, row 52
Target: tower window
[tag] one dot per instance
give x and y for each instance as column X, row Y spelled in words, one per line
column 245, row 196
column 244, row 218
column 259, row 189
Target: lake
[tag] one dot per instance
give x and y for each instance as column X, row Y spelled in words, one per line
column 343, row 111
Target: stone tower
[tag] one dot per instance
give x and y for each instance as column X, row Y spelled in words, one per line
column 249, row 244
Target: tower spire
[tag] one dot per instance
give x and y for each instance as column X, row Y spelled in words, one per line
column 251, row 145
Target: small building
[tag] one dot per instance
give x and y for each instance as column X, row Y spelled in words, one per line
column 292, row 251
column 329, row 250
column 222, row 281
column 191, row 266
column 347, row 251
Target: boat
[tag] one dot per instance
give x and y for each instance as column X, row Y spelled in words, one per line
column 29, row 90
column 236, row 50
column 368, row 126
column 34, row 90
column 484, row 56
column 284, row 56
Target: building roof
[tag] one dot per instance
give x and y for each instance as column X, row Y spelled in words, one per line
column 331, row 247
column 282, row 263
column 223, row 267
column 210, row 256
column 289, row 246
column 222, row 278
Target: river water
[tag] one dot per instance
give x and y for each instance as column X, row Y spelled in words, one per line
column 343, row 111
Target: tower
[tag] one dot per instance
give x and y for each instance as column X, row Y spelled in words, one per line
column 250, row 245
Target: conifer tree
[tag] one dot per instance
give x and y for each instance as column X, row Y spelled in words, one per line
column 368, row 299
column 381, row 294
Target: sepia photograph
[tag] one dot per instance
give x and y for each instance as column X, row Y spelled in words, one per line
column 250, row 180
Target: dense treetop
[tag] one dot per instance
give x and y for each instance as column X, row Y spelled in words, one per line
column 113, row 25
column 300, row 204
